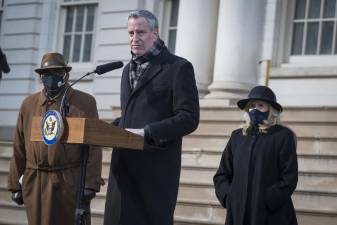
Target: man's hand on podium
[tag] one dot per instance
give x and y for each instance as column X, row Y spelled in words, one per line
column 136, row 131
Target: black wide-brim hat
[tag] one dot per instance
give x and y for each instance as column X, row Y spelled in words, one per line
column 261, row 93
column 52, row 60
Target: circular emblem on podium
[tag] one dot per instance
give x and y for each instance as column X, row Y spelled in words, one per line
column 51, row 127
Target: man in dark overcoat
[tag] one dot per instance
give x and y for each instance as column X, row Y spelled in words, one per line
column 46, row 178
column 159, row 99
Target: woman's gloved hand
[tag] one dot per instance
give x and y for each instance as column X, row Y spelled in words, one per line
column 89, row 195
column 17, row 197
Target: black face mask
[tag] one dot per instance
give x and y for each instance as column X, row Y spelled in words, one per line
column 257, row 117
column 53, row 82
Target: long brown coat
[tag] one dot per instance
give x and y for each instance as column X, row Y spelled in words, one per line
column 51, row 174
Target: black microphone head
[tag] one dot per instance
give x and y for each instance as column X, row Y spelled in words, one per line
column 60, row 83
column 108, row 67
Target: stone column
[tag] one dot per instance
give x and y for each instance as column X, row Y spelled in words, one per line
column 238, row 49
column 196, row 36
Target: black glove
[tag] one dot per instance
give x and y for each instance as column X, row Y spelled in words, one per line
column 17, row 197
column 89, row 195
column 116, row 121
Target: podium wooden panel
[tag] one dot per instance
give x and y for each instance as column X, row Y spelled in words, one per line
column 93, row 132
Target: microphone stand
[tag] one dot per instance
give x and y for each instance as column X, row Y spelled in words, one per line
column 81, row 211
column 63, row 110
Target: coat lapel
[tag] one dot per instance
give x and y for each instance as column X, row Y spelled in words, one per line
column 149, row 74
column 125, row 85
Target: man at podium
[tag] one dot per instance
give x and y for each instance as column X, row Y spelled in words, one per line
column 46, row 178
column 159, row 100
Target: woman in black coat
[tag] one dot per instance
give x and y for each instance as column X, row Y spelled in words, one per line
column 258, row 171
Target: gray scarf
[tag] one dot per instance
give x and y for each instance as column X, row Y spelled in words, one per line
column 138, row 64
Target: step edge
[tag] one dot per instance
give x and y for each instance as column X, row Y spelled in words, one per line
column 215, row 204
column 12, row 222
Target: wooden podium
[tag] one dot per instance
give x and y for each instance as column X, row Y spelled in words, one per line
column 91, row 132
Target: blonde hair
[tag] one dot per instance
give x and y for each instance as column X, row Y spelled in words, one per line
column 274, row 118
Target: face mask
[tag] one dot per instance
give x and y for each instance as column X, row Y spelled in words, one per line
column 257, row 117
column 52, row 82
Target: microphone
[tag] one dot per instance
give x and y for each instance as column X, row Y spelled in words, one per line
column 4, row 67
column 59, row 84
column 108, row 67
column 99, row 70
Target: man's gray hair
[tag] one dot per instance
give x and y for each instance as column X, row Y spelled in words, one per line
column 149, row 16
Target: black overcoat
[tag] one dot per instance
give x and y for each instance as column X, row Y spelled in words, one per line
column 166, row 100
column 257, row 176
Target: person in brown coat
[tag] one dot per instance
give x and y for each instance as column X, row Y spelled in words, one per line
column 50, row 174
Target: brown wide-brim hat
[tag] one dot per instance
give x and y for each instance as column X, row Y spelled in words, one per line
column 52, row 60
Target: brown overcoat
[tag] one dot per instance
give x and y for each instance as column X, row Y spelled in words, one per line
column 51, row 174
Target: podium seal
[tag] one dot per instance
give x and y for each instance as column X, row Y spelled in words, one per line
column 51, row 127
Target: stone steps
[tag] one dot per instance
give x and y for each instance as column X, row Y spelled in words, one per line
column 5, row 195
column 196, row 213
column 307, row 163
column 12, row 222
column 185, row 205
column 205, row 162
column 325, row 146
column 4, row 163
column 312, row 217
column 315, row 198
column 303, row 130
column 211, row 159
column 290, row 114
column 185, row 214
column 305, row 203
column 15, row 215
column 204, row 194
column 12, row 214
column 205, row 191
column 309, row 181
column 305, row 146
column 6, row 149
column 3, row 177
